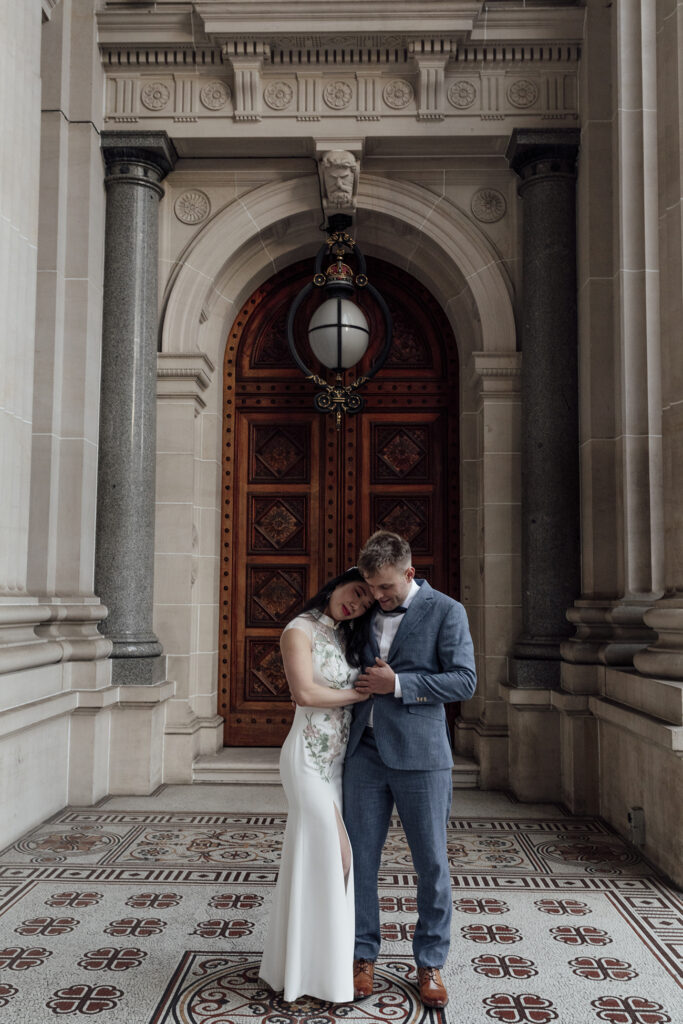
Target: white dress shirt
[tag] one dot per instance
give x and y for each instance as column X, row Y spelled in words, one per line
column 385, row 628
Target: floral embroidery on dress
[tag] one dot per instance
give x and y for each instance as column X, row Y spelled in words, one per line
column 326, row 732
column 326, row 735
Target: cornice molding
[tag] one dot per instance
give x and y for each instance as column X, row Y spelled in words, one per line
column 349, row 25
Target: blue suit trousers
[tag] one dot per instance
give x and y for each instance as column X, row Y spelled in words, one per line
column 423, row 802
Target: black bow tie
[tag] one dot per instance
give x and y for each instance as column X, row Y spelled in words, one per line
column 393, row 611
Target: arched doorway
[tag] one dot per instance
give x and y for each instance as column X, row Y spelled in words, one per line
column 299, row 496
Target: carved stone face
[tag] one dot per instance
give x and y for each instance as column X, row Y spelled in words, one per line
column 339, row 167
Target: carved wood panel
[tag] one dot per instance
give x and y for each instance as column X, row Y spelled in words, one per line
column 300, row 497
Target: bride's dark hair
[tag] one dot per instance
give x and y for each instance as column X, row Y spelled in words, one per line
column 356, row 631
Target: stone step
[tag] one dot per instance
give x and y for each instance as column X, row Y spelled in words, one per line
column 259, row 766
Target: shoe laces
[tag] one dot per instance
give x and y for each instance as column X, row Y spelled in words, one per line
column 430, row 972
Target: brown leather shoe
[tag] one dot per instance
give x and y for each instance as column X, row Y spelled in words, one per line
column 363, row 977
column 432, row 989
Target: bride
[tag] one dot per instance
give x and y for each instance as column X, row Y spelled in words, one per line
column 309, row 945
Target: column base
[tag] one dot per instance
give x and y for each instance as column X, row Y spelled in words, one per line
column 607, row 632
column 664, row 659
column 536, row 663
column 138, row 671
column 534, row 751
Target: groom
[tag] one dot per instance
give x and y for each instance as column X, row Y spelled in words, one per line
column 419, row 657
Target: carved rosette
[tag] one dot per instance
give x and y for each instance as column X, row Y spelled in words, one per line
column 214, row 95
column 523, row 93
column 337, row 95
column 488, row 205
column 278, row 95
column 461, row 94
column 155, row 95
column 398, row 93
column 192, row 207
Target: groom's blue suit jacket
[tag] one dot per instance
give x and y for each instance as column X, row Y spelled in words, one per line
column 433, row 655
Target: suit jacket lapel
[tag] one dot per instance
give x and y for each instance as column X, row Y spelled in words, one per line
column 418, row 608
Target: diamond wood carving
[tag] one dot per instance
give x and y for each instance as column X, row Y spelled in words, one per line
column 278, row 524
column 275, row 594
column 401, row 454
column 279, row 453
column 409, row 518
column 264, row 672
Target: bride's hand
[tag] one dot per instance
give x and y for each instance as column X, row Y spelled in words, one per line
column 356, row 696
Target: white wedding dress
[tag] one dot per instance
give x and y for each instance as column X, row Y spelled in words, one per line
column 309, row 945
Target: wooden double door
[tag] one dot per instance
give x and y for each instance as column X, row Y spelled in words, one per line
column 300, row 496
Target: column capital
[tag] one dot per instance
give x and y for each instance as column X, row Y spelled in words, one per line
column 147, row 148
column 534, row 152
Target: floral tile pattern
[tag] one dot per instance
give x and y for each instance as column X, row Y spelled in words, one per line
column 159, row 917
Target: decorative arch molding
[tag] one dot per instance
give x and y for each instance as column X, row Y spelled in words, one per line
column 275, row 224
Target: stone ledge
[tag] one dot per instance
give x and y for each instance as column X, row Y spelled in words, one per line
column 35, row 712
column 645, row 727
column 660, row 698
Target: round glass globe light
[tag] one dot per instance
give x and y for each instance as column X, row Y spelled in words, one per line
column 338, row 322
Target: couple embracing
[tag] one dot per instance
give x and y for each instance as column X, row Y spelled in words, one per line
column 370, row 663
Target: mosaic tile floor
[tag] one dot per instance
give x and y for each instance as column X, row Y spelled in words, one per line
column 156, row 916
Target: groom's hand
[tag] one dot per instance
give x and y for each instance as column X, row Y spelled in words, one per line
column 378, row 678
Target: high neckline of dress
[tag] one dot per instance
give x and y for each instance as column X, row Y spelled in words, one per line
column 327, row 620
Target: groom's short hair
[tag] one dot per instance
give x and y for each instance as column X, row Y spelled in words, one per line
column 384, row 548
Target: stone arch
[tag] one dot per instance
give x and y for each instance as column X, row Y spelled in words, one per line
column 276, row 224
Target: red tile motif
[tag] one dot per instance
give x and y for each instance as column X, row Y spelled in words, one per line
column 55, row 847
column 504, row 966
column 398, row 904
column 488, row 905
column 219, row 929
column 85, row 999
column 20, row 958
column 236, row 901
column 527, row 1008
column 572, row 907
column 491, row 933
column 112, row 959
column 598, row 853
column 74, row 899
column 141, row 926
column 397, row 931
column 47, row 926
column 584, row 936
column 630, row 1010
column 602, row 969
column 6, row 993
column 158, row 900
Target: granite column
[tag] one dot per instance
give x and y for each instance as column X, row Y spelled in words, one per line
column 546, row 163
column 136, row 163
